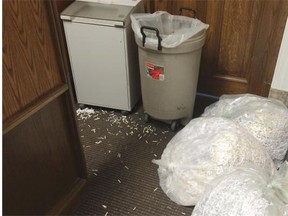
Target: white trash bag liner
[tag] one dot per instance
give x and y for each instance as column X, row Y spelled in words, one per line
column 265, row 118
column 173, row 29
column 205, row 148
column 246, row 192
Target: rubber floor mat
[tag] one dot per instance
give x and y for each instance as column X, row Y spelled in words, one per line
column 122, row 180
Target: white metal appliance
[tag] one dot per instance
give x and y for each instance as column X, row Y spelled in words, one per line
column 103, row 53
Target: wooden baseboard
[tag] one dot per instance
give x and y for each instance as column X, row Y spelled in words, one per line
column 70, row 200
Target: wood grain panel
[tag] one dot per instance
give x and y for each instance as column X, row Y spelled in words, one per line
column 239, row 40
column 210, row 51
column 39, row 161
column 18, row 119
column 62, row 4
column 237, row 37
column 163, row 5
column 149, row 6
column 173, row 7
column 184, row 4
column 226, row 49
column 30, row 65
column 44, row 169
column 267, row 45
column 199, row 6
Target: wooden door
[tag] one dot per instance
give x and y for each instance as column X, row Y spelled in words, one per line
column 242, row 42
column 44, row 169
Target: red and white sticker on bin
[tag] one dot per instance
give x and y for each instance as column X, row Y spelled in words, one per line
column 156, row 72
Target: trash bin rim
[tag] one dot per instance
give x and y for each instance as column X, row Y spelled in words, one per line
column 194, row 43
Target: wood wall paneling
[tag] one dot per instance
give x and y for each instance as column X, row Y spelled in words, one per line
column 44, row 168
column 227, row 47
column 163, row 5
column 173, row 7
column 236, row 41
column 39, row 161
column 198, row 5
column 62, row 4
column 27, row 48
column 267, row 44
column 235, row 35
column 25, row 114
column 148, row 6
column 211, row 47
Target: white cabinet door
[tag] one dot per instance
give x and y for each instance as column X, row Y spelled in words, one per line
column 97, row 57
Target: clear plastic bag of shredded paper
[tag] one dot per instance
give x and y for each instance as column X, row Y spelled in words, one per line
column 286, row 210
column 205, row 148
column 265, row 118
column 173, row 29
column 246, row 191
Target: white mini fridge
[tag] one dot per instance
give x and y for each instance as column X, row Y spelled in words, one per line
column 103, row 53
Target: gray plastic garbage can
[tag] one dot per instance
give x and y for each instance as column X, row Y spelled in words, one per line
column 169, row 78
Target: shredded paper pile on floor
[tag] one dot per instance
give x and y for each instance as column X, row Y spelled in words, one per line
column 122, row 178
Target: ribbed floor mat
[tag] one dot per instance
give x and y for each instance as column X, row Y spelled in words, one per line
column 122, row 179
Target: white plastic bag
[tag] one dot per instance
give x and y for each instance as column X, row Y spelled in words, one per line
column 286, row 211
column 173, row 29
column 204, row 149
column 246, row 192
column 266, row 119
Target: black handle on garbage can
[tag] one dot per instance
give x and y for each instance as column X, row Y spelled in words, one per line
column 189, row 9
column 144, row 36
